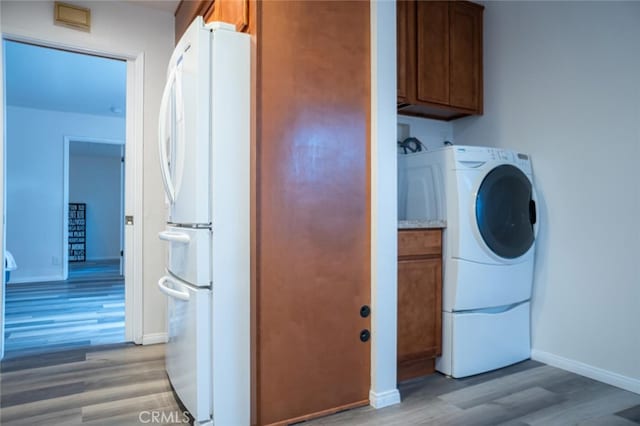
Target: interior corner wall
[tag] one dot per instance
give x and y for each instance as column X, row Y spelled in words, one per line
column 432, row 133
column 96, row 181
column 124, row 28
column 562, row 83
column 384, row 219
column 34, row 185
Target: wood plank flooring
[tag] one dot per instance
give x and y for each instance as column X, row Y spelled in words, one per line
column 87, row 309
column 113, row 385
column 124, row 384
column 528, row 393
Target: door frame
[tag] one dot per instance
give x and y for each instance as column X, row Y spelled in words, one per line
column 125, row 186
column 133, row 205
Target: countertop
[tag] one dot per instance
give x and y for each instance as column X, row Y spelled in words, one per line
column 421, row 224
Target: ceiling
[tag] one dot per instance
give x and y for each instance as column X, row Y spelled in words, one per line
column 166, row 5
column 44, row 78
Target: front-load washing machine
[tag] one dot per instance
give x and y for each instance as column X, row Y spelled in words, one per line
column 487, row 198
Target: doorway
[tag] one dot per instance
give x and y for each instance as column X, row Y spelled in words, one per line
column 94, row 205
column 64, row 206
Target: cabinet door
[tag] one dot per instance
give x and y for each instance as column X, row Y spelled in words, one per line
column 419, row 309
column 432, row 49
column 235, row 12
column 402, row 17
column 465, row 45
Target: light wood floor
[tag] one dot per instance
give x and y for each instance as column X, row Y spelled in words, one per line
column 528, row 393
column 86, row 309
column 115, row 385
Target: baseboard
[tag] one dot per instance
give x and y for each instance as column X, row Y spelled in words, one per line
column 103, row 259
column 154, row 338
column 40, row 279
column 596, row 373
column 384, row 399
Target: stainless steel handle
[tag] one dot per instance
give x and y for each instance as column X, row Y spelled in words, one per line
column 181, row 295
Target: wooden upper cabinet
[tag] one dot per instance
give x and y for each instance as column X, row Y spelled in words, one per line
column 465, row 50
column 432, row 51
column 231, row 11
column 403, row 20
column 439, row 58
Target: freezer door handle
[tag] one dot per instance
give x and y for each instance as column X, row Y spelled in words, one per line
column 182, row 295
column 174, row 237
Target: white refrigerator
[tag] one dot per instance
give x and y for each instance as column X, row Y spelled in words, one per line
column 204, row 137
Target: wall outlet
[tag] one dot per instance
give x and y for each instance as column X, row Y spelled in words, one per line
column 55, row 260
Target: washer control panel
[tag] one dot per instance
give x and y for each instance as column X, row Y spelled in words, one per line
column 473, row 156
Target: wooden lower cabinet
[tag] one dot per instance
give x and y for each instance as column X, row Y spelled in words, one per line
column 419, row 302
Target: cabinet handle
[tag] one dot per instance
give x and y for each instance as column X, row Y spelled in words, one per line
column 365, row 335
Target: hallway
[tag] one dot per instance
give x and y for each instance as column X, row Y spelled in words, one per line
column 86, row 309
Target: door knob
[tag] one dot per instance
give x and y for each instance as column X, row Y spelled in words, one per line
column 365, row 311
column 365, row 335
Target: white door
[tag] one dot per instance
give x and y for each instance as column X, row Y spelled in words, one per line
column 184, row 128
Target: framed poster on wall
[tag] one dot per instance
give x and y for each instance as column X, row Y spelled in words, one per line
column 77, row 232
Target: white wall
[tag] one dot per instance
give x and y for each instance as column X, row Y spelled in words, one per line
column 95, row 180
column 384, row 215
column 432, row 133
column 2, row 233
column 34, row 184
column 124, row 28
column 562, row 82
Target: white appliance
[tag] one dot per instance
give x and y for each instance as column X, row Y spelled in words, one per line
column 487, row 198
column 204, row 134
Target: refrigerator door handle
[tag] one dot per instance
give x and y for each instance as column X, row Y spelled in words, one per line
column 174, row 237
column 163, row 139
column 181, row 295
column 181, row 133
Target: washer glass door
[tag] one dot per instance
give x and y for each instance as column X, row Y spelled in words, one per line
column 505, row 211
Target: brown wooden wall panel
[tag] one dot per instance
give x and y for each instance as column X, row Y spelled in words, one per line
column 313, row 260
